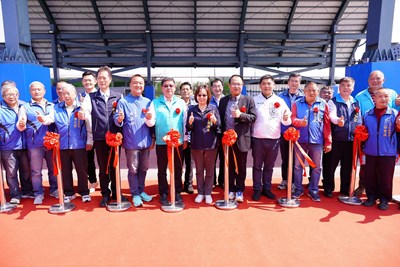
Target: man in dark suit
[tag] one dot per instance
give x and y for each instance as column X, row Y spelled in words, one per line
column 238, row 113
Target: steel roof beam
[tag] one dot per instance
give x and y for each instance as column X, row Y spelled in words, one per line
column 289, row 22
column 101, row 25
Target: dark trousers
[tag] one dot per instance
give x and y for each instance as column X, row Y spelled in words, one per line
column 162, row 165
column 284, row 148
column 187, row 158
column 379, row 177
column 102, row 154
column 91, row 169
column 237, row 180
column 78, row 157
column 264, row 153
column 221, row 156
column 342, row 151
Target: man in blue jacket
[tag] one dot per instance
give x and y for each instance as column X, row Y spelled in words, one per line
column 70, row 123
column 34, row 118
column 14, row 155
column 101, row 107
column 380, row 150
column 137, row 141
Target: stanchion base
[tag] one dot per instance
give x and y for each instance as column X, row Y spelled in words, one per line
column 288, row 203
column 6, row 207
column 115, row 206
column 177, row 207
column 396, row 199
column 57, row 208
column 350, row 200
column 226, row 205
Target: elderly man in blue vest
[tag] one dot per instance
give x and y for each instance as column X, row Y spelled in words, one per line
column 168, row 112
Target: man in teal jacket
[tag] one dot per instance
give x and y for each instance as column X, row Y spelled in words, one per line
column 168, row 112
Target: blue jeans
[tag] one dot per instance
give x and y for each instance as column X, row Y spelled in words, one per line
column 14, row 160
column 137, row 161
column 315, row 153
column 264, row 153
column 36, row 156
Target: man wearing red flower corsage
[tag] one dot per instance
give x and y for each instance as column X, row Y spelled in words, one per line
column 99, row 106
column 237, row 112
column 344, row 115
column 168, row 112
column 311, row 116
column 271, row 112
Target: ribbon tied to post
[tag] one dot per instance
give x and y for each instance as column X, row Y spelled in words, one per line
column 228, row 139
column 360, row 135
column 113, row 140
column 52, row 142
column 292, row 135
column 172, row 139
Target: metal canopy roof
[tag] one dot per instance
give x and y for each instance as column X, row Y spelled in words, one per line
column 254, row 33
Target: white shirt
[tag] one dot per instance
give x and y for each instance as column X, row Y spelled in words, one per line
column 270, row 117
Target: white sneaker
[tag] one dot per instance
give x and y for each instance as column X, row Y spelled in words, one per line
column 86, row 198
column 38, row 200
column 54, row 193
column 239, row 196
column 15, row 201
column 231, row 195
column 92, row 187
column 199, row 198
column 68, row 199
column 209, row 199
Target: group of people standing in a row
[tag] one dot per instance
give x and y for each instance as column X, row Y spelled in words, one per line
column 326, row 128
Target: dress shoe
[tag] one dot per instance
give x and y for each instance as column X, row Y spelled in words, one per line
column 256, row 195
column 359, row 191
column 164, row 200
column 104, row 201
column 268, row 194
column 328, row 194
column 188, row 188
column 383, row 205
column 178, row 199
column 369, row 202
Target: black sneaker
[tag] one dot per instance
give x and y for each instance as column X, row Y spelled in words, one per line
column 164, row 200
column 383, row 205
column 369, row 202
column 188, row 189
column 256, row 195
column 268, row 194
column 328, row 194
column 104, row 201
column 314, row 196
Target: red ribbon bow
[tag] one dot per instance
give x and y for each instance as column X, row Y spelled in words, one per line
column 228, row 139
column 177, row 110
column 114, row 141
column 243, row 109
column 52, row 141
column 316, row 109
column 76, row 114
column 209, row 116
column 144, row 110
column 357, row 109
column 277, row 105
column 114, row 104
column 360, row 135
column 172, row 140
column 292, row 135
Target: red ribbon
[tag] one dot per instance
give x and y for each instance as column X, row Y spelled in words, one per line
column 172, row 140
column 52, row 141
column 228, row 139
column 114, row 141
column 360, row 135
column 292, row 135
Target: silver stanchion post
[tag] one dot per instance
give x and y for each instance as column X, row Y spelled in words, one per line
column 119, row 205
column 352, row 199
column 4, row 206
column 61, row 207
column 289, row 202
column 226, row 203
column 173, row 205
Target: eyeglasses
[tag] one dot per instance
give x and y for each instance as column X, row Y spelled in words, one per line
column 10, row 95
column 202, row 95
